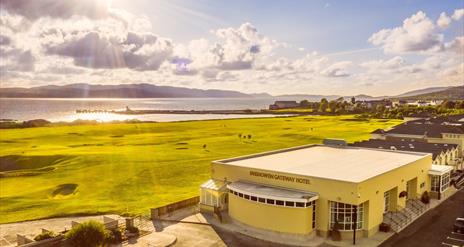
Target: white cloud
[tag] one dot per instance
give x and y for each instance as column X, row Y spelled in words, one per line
column 458, row 14
column 418, row 33
column 118, row 47
column 456, row 45
column 339, row 69
column 390, row 64
column 444, row 20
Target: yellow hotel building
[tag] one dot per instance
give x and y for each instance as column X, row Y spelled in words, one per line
column 305, row 190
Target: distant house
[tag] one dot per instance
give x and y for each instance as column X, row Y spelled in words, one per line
column 442, row 153
column 445, row 130
column 372, row 104
column 400, row 102
column 283, row 105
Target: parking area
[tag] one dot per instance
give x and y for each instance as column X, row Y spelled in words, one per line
column 435, row 228
column 454, row 239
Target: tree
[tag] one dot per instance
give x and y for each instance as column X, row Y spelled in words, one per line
column 323, row 105
column 447, row 104
column 87, row 234
column 332, row 106
column 353, row 100
column 304, row 103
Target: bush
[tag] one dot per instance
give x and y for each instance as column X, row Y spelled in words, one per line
column 425, row 198
column 44, row 235
column 403, row 194
column 114, row 236
column 384, row 227
column 335, row 234
column 87, row 234
column 133, row 229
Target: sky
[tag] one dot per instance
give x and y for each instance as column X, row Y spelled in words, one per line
column 279, row 47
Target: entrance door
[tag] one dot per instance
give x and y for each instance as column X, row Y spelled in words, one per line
column 411, row 189
column 386, row 201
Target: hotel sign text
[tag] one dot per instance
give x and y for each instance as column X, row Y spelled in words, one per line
column 280, row 177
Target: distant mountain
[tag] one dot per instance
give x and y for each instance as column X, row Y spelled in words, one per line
column 310, row 97
column 449, row 93
column 144, row 90
column 423, row 91
column 261, row 95
column 83, row 90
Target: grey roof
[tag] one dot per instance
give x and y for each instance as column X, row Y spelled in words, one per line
column 407, row 145
column 425, row 128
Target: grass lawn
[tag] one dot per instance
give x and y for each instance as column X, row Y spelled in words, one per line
column 129, row 168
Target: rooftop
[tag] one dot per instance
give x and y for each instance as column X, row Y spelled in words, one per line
column 350, row 164
column 424, row 128
column 440, row 170
column 407, row 145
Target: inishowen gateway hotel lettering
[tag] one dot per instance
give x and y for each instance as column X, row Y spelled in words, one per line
column 280, row 177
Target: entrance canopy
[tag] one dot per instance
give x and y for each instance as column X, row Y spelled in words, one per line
column 214, row 185
column 269, row 192
column 439, row 170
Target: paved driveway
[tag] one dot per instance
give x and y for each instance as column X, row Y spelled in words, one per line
column 434, row 228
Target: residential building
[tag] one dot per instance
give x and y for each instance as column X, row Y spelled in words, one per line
column 283, row 105
column 442, row 153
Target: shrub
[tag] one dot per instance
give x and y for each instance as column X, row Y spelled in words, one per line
column 403, row 194
column 425, row 198
column 335, row 234
column 114, row 236
column 133, row 229
column 384, row 227
column 44, row 235
column 87, row 234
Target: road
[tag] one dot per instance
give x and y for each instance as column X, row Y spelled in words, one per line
column 433, row 228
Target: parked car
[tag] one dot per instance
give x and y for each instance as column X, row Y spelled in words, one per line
column 459, row 225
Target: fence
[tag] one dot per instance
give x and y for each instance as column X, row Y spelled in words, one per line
column 160, row 211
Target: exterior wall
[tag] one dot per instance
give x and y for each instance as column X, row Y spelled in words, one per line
column 369, row 192
column 372, row 190
column 206, row 208
column 271, row 217
column 328, row 190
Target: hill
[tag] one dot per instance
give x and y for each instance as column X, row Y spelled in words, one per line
column 449, row 93
column 84, row 90
column 423, row 91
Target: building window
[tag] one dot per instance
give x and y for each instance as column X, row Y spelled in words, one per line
column 445, row 181
column 271, row 201
column 344, row 213
column 314, row 216
column 435, row 183
column 290, row 204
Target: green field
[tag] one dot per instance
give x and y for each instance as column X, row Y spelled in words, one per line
column 129, row 168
